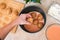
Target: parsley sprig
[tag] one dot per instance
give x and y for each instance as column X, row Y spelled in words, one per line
column 37, row 1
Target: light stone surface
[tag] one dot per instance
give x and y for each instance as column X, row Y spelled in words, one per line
column 22, row 35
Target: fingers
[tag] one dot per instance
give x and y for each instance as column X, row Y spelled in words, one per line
column 25, row 22
column 28, row 15
column 23, row 18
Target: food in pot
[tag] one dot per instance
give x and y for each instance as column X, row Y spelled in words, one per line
column 40, row 25
column 36, row 21
column 33, row 14
column 31, row 28
column 40, row 17
column 30, row 20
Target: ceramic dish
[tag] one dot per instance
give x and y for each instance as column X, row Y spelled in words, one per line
column 52, row 32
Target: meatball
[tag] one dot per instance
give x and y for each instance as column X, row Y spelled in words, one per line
column 30, row 20
column 40, row 17
column 40, row 25
column 35, row 22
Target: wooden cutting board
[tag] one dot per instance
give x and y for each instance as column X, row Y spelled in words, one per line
column 9, row 11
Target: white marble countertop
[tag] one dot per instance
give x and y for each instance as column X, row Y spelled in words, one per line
column 22, row 35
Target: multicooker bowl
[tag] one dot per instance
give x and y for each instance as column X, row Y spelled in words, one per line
column 30, row 9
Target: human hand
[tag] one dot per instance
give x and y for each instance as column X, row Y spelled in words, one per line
column 22, row 19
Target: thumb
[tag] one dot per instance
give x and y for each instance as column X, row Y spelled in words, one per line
column 27, row 22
